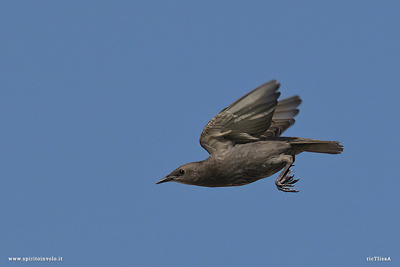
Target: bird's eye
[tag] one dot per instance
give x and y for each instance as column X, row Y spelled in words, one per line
column 181, row 171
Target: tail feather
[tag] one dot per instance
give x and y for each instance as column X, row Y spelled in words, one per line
column 310, row 145
column 328, row 147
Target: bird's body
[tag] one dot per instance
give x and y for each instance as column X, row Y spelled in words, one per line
column 244, row 143
column 224, row 168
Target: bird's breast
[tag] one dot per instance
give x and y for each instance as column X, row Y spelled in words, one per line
column 246, row 163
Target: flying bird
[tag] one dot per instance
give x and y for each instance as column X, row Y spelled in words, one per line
column 244, row 143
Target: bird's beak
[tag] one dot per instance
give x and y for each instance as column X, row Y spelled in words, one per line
column 165, row 179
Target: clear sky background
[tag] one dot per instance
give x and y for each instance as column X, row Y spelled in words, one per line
column 101, row 99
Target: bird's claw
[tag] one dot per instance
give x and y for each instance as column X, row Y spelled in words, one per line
column 286, row 183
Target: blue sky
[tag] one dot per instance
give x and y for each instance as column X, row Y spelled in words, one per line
column 101, row 99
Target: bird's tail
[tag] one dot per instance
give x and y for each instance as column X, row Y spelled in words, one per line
column 310, row 145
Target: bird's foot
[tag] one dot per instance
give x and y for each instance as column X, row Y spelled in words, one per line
column 285, row 181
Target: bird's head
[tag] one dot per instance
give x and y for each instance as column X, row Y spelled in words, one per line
column 189, row 173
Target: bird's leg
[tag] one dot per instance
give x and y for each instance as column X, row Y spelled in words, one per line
column 285, row 181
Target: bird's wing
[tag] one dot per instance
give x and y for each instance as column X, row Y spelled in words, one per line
column 245, row 120
column 283, row 117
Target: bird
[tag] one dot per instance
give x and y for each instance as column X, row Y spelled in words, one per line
column 244, row 143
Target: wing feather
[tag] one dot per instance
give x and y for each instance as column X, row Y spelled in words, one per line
column 245, row 120
column 283, row 117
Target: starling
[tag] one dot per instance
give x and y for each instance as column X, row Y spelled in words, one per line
column 244, row 143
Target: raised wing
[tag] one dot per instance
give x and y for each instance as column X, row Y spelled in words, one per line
column 283, row 117
column 245, row 120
